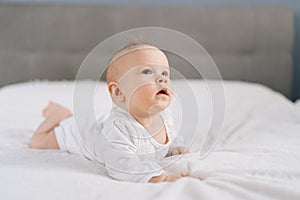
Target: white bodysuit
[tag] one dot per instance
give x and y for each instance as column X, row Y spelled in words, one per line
column 118, row 141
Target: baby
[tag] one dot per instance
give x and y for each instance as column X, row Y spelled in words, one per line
column 139, row 126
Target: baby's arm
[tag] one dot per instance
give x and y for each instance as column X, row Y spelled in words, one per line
column 124, row 165
column 44, row 137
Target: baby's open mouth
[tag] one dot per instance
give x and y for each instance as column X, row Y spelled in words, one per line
column 163, row 91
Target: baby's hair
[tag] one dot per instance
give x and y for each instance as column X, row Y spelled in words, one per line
column 128, row 47
column 124, row 50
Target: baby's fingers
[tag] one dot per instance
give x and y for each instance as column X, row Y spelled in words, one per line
column 182, row 150
column 185, row 151
column 194, row 177
column 187, row 175
column 176, row 151
column 184, row 174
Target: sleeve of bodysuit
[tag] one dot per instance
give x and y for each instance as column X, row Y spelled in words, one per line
column 121, row 160
column 126, row 166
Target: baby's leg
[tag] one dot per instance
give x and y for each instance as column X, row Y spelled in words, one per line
column 44, row 137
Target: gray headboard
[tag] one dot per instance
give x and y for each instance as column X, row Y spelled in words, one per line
column 50, row 41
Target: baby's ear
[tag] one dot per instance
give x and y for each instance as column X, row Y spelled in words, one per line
column 116, row 92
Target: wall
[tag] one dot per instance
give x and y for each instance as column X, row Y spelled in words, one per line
column 294, row 4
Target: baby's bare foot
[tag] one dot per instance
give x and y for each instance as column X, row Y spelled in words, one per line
column 55, row 110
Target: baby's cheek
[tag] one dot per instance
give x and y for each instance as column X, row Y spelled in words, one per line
column 147, row 90
column 140, row 95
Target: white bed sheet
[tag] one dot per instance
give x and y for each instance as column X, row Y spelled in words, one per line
column 257, row 156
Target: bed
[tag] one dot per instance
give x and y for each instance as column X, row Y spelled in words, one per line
column 257, row 155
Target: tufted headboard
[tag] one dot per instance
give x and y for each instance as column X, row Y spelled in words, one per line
column 48, row 41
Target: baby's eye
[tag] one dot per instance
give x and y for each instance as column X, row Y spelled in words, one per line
column 165, row 73
column 147, row 71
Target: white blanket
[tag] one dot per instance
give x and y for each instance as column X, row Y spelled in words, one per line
column 257, row 156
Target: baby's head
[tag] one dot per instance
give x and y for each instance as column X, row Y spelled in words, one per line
column 138, row 78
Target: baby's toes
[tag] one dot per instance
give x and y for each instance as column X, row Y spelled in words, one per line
column 55, row 106
column 45, row 111
column 51, row 103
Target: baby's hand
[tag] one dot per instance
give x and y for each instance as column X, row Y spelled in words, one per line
column 174, row 177
column 179, row 150
column 170, row 178
column 167, row 178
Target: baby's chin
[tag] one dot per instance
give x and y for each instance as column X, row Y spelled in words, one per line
column 157, row 108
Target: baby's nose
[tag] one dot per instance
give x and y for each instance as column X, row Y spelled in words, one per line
column 161, row 79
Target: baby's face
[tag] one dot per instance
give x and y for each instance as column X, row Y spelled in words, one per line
column 145, row 81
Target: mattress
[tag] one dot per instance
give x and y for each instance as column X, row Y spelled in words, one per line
column 257, row 154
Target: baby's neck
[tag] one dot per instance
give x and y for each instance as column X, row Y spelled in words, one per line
column 155, row 126
column 147, row 120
